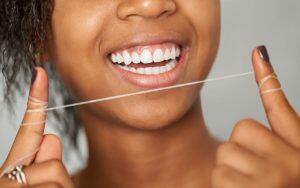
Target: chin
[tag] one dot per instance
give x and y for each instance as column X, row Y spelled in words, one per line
column 151, row 122
column 154, row 117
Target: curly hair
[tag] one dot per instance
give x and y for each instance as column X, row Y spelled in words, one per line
column 23, row 25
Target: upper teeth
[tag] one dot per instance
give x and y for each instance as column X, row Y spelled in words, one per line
column 146, row 56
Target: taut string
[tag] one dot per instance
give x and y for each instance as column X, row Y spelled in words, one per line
column 139, row 93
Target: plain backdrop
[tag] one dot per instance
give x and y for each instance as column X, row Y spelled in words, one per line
column 245, row 24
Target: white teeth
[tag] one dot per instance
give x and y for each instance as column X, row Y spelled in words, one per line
column 136, row 58
column 167, row 54
column 168, row 66
column 126, row 68
column 119, row 58
column 173, row 64
column 127, row 58
column 158, row 55
column 163, row 69
column 141, row 70
column 151, row 70
column 156, row 70
column 173, row 53
column 114, row 58
column 177, row 52
column 146, row 57
column 133, row 70
column 148, row 70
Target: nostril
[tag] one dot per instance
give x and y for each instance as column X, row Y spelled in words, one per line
column 170, row 8
column 165, row 13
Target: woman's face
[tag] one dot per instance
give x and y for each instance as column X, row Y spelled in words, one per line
column 103, row 48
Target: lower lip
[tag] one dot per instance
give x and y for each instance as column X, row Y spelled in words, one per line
column 155, row 81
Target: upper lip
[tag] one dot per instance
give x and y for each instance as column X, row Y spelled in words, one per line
column 147, row 39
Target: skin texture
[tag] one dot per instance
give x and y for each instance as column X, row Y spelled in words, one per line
column 136, row 128
column 153, row 140
column 81, row 57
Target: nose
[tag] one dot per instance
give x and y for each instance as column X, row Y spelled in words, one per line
column 136, row 9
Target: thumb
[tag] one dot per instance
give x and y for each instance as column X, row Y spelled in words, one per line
column 51, row 148
column 31, row 131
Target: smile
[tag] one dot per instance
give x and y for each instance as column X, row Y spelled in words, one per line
column 150, row 65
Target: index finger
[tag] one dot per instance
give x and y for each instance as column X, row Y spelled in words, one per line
column 30, row 133
column 283, row 119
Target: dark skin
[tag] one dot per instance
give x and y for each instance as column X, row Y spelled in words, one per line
column 149, row 145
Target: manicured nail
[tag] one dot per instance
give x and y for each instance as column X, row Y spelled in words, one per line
column 34, row 74
column 263, row 53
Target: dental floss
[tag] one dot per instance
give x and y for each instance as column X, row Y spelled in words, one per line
column 264, row 80
column 45, row 109
column 139, row 93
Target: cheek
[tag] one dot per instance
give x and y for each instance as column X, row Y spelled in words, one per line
column 204, row 16
column 76, row 28
column 75, row 45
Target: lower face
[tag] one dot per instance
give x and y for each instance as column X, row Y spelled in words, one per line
column 107, row 48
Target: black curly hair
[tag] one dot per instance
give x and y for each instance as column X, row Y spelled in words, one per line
column 24, row 26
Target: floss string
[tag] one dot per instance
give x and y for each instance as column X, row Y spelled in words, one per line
column 140, row 92
column 44, row 104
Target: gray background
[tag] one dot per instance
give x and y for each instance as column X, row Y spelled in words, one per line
column 245, row 24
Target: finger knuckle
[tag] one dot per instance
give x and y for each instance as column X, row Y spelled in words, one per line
column 243, row 127
column 269, row 110
column 53, row 138
column 56, row 166
column 225, row 149
column 219, row 174
column 279, row 107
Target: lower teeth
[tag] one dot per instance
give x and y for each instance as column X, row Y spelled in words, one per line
column 151, row 70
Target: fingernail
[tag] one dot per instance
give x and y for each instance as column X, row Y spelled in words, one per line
column 34, row 74
column 263, row 53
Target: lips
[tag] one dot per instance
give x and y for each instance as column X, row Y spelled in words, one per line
column 150, row 65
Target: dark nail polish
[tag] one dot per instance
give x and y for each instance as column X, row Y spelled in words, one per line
column 263, row 52
column 34, row 73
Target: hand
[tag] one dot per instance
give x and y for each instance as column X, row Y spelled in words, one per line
column 43, row 164
column 255, row 156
